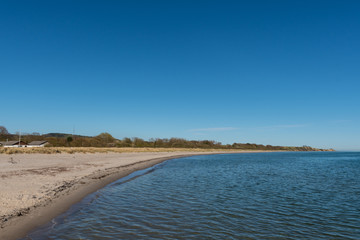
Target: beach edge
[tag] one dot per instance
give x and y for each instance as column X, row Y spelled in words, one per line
column 19, row 226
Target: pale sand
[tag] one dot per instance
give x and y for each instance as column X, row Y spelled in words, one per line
column 34, row 188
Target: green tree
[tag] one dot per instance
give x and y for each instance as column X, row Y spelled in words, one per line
column 69, row 139
column 105, row 137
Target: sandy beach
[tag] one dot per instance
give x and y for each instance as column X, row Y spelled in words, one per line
column 37, row 187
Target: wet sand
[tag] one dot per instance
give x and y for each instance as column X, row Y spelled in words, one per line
column 38, row 187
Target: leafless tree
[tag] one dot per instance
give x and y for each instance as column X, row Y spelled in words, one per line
column 3, row 130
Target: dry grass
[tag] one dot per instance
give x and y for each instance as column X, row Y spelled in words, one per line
column 54, row 150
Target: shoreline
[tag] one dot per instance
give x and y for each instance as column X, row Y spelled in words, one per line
column 71, row 189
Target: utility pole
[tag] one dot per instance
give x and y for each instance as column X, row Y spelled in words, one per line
column 19, row 138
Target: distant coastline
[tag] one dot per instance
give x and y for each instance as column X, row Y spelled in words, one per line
column 61, row 142
column 72, row 150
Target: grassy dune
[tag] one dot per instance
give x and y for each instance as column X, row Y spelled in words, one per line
column 54, row 150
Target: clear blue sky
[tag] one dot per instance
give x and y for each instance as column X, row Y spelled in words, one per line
column 268, row 72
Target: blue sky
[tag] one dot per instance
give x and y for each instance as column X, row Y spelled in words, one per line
column 268, row 72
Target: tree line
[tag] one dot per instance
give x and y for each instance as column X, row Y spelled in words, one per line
column 107, row 140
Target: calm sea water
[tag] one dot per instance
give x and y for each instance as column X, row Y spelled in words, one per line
column 232, row 196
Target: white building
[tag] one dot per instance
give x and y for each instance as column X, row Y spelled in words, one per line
column 13, row 144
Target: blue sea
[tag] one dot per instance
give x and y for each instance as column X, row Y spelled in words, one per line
column 287, row 195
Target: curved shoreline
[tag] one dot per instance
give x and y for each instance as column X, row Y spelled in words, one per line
column 66, row 195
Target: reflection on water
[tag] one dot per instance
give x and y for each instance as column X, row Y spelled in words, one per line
column 232, row 196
